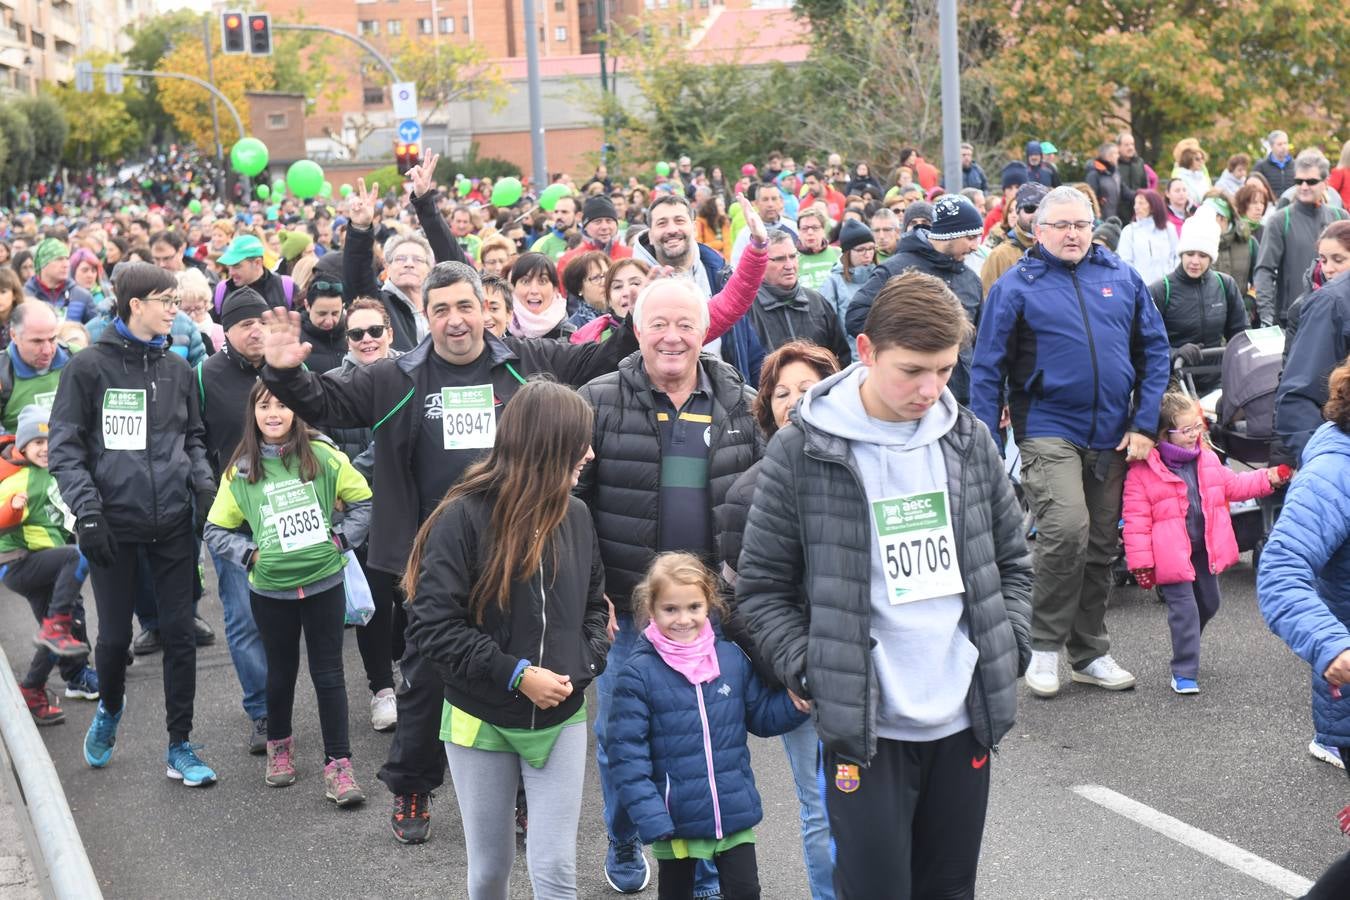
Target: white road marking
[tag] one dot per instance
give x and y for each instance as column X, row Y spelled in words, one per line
column 1231, row 855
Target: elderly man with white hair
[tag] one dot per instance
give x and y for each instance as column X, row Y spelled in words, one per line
column 673, row 431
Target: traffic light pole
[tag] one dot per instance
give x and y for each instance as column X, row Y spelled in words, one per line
column 363, row 44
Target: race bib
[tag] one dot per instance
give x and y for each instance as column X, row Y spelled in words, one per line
column 45, row 400
column 918, row 549
column 124, row 419
column 297, row 518
column 468, row 421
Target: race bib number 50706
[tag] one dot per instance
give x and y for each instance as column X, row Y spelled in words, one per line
column 918, row 549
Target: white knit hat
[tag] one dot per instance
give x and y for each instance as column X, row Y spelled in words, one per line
column 1200, row 234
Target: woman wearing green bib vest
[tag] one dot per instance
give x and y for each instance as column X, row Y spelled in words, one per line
column 507, row 602
column 283, row 483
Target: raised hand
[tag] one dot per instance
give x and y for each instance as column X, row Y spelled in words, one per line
column 282, row 348
column 759, row 235
column 422, row 175
column 361, row 203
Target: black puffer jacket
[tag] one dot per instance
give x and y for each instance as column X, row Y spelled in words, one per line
column 799, row 314
column 804, row 592
column 145, row 495
column 556, row 619
column 622, row 486
column 1206, row 310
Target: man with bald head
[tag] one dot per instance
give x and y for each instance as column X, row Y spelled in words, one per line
column 673, row 431
column 31, row 365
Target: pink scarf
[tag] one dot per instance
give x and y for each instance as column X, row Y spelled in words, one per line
column 526, row 324
column 696, row 661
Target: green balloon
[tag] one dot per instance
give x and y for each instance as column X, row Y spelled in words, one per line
column 194, row 206
column 248, row 156
column 304, row 178
column 463, row 187
column 263, row 191
column 147, row 182
column 663, row 169
column 345, row 190
column 279, row 187
column 551, row 195
column 326, row 190
column 507, row 191
column 273, row 213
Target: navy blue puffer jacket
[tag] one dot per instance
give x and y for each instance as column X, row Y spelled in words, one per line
column 659, row 733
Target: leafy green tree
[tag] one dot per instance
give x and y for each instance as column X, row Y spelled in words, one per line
column 14, row 173
column 47, row 120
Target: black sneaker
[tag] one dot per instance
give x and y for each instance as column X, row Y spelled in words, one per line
column 411, row 819
column 257, row 736
column 205, row 636
column 146, row 642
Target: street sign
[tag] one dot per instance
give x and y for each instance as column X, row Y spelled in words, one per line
column 409, row 131
column 404, row 95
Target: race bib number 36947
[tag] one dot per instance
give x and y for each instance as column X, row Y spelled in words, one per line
column 123, row 419
column 468, row 421
column 918, row 549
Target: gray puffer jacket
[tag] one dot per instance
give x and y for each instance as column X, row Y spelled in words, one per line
column 804, row 591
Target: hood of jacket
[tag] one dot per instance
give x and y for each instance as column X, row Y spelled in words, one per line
column 918, row 243
column 334, row 337
column 860, row 273
column 826, row 408
column 770, row 298
column 1328, row 439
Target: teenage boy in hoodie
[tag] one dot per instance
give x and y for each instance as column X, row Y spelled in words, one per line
column 887, row 580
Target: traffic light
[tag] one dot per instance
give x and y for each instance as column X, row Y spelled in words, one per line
column 406, row 156
column 84, row 77
column 112, row 78
column 260, row 34
column 232, row 31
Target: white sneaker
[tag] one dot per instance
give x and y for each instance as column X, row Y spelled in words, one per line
column 1043, row 673
column 1104, row 672
column 383, row 710
column 1326, row 754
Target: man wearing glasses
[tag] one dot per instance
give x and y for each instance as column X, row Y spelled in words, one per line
column 1289, row 241
column 129, row 455
column 1072, row 335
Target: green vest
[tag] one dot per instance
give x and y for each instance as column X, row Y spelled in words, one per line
column 44, row 518
column 40, row 389
column 551, row 246
column 279, row 509
column 814, row 268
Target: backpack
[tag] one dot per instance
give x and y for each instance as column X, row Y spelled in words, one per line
column 287, row 289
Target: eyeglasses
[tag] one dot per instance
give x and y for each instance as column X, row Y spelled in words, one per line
column 327, row 287
column 1189, row 430
column 1062, row 227
column 170, row 301
column 405, row 260
column 1308, row 182
column 359, row 334
column 596, row 279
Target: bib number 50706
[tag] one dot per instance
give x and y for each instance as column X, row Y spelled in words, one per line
column 917, row 546
column 919, row 556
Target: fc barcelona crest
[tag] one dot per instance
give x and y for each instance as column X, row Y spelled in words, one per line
column 846, row 778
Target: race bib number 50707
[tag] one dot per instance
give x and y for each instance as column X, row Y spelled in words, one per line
column 123, row 419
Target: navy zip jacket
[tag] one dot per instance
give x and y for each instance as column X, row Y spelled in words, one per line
column 1081, row 349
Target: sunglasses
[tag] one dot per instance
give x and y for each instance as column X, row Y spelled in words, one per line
column 1307, row 181
column 327, row 287
column 359, row 334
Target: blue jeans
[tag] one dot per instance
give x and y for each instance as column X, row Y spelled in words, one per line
column 241, row 635
column 620, row 827
column 801, row 744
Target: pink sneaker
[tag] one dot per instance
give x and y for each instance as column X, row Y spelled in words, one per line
column 339, row 784
column 280, row 769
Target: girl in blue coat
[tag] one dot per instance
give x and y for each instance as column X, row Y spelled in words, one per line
column 677, row 734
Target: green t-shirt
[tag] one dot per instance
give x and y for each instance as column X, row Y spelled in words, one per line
column 39, row 390
column 701, row 848
column 814, row 268
column 550, row 245
column 531, row 744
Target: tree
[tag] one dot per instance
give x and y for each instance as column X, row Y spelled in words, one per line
column 47, row 120
column 107, row 130
column 151, row 41
column 1077, row 72
column 189, row 105
column 18, row 163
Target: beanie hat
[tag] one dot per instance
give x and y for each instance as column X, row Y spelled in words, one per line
column 1033, row 148
column 916, row 210
column 955, row 216
column 47, row 250
column 243, row 303
column 33, row 424
column 854, row 234
column 1107, row 233
column 598, row 207
column 294, row 243
column 1199, row 234
column 1013, row 175
column 1031, row 194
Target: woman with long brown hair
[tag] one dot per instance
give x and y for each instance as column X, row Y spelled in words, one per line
column 507, row 601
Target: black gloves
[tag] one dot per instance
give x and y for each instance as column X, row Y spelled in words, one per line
column 96, row 540
column 1189, row 354
column 204, row 500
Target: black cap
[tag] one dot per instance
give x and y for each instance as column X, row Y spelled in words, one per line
column 243, row 303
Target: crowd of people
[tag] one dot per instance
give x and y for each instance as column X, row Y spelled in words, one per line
column 731, row 450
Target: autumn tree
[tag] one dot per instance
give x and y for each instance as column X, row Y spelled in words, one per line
column 189, row 105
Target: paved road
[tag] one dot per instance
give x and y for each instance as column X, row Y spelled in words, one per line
column 1231, row 761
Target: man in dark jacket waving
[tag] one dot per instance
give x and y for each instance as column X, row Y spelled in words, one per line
column 886, row 579
column 129, row 456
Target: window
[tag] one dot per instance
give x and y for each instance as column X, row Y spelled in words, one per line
column 560, row 5
column 373, row 96
column 447, row 24
column 368, row 26
column 395, row 27
column 39, row 40
column 467, row 29
column 424, row 26
column 560, row 33
column 276, row 121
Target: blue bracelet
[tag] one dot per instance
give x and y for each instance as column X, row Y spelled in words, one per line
column 518, row 674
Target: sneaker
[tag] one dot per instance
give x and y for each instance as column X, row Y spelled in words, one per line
column 84, row 686
column 339, row 784
column 186, row 766
column 43, row 706
column 1329, row 755
column 202, row 632
column 102, row 735
column 257, row 736
column 411, row 819
column 383, row 710
column 55, row 636
column 1184, row 685
column 1104, row 672
column 280, row 769
column 1043, row 673
column 626, row 867
column 146, row 642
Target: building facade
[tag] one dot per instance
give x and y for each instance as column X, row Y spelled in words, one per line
column 41, row 39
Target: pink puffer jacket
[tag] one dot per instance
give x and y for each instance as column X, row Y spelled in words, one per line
column 1155, row 515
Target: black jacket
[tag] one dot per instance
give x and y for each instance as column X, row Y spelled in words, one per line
column 555, row 619
column 269, row 286
column 1322, row 342
column 802, row 313
column 380, row 396
column 1206, row 310
column 622, row 486
column 145, row 495
column 1104, row 179
column 329, row 346
column 222, row 383
column 1281, row 178
column 915, row 252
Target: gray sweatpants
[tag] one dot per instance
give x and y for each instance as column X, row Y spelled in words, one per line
column 1075, row 494
column 485, row 785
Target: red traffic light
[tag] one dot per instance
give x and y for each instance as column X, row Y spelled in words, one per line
column 258, row 24
column 400, row 149
column 413, row 150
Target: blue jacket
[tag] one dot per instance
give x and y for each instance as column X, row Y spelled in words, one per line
column 1303, row 584
column 659, row 732
column 1321, row 342
column 741, row 346
column 1082, row 350
column 72, row 302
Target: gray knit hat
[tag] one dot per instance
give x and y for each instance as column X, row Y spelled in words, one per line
column 33, row 423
